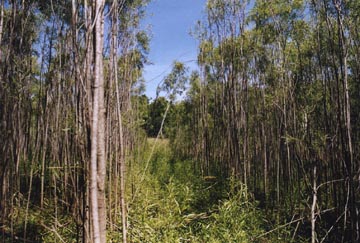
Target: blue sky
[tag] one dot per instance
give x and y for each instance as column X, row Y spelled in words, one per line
column 171, row 22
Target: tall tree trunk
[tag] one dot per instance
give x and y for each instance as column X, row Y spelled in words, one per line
column 347, row 116
column 97, row 180
column 101, row 127
column 122, row 165
column 121, row 157
column 313, row 208
column 43, row 158
column 88, row 114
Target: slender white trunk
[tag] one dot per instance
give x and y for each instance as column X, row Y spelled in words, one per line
column 313, row 209
column 98, row 90
column 101, row 129
column 122, row 165
column 43, row 157
column 121, row 134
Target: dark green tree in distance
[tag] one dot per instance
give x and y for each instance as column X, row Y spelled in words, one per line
column 156, row 112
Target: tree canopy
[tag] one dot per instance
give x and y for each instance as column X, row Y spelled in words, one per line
column 260, row 144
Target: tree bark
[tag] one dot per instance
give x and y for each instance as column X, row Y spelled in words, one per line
column 121, row 157
column 101, row 126
column 313, row 209
column 97, row 133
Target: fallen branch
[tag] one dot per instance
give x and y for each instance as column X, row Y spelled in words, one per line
column 280, row 227
column 290, row 223
column 54, row 231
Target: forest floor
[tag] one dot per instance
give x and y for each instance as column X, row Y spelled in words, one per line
column 175, row 203
column 168, row 200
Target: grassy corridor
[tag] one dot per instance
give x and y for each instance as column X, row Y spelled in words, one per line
column 172, row 202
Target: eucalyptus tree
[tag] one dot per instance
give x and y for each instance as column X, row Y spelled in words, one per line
column 224, row 64
column 335, row 49
column 18, row 21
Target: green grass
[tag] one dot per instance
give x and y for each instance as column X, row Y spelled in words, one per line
column 168, row 202
column 174, row 203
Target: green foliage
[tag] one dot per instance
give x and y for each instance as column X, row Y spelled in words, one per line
column 156, row 111
column 278, row 93
column 141, row 106
column 175, row 82
column 42, row 225
column 174, row 203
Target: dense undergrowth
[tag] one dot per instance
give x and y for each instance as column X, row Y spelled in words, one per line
column 172, row 202
column 168, row 202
